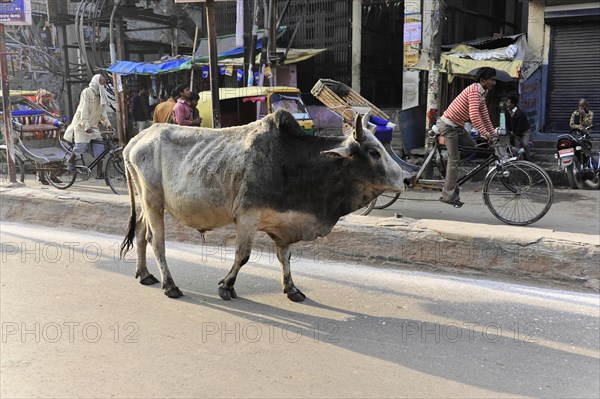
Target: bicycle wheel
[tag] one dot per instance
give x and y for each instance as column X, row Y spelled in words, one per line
column 114, row 170
column 386, row 199
column 518, row 193
column 19, row 168
column 365, row 210
column 59, row 176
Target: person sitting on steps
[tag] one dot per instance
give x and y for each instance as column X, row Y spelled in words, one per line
column 582, row 118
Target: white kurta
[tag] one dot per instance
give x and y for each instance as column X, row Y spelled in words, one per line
column 89, row 113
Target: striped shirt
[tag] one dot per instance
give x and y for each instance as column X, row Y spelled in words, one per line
column 470, row 106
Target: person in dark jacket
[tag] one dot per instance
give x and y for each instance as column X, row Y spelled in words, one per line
column 140, row 109
column 518, row 124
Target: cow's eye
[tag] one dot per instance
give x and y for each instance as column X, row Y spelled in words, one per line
column 374, row 154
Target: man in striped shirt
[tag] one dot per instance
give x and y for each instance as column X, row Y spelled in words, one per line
column 470, row 106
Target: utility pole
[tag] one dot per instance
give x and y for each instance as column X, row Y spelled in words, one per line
column 271, row 44
column 272, row 27
column 266, row 44
column 438, row 15
column 211, row 27
column 193, row 58
column 253, row 40
column 119, row 95
column 12, row 177
column 356, row 43
column 57, row 15
column 213, row 68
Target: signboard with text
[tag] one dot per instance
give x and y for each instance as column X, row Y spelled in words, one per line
column 15, row 12
column 412, row 39
column 412, row 32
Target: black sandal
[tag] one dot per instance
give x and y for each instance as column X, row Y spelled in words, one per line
column 455, row 203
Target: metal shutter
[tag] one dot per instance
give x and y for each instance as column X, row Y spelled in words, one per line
column 574, row 72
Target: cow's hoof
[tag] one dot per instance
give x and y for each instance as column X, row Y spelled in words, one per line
column 149, row 280
column 296, row 296
column 174, row 292
column 227, row 293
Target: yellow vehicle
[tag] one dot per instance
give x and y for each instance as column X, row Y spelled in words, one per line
column 28, row 94
column 243, row 105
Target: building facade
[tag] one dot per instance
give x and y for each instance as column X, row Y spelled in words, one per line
column 565, row 36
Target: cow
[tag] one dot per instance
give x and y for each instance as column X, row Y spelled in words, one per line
column 266, row 176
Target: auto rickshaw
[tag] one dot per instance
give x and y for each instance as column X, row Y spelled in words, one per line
column 240, row 106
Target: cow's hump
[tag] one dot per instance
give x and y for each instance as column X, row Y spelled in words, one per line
column 287, row 124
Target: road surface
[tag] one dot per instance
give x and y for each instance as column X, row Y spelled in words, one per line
column 76, row 323
column 575, row 211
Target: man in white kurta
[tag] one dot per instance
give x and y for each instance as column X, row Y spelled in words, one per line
column 91, row 111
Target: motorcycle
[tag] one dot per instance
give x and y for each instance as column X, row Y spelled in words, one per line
column 576, row 158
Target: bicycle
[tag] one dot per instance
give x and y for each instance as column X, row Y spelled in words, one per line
column 62, row 177
column 516, row 192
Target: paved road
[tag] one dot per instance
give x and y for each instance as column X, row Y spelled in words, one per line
column 575, row 211
column 76, row 323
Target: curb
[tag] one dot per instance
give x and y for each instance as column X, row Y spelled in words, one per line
column 449, row 246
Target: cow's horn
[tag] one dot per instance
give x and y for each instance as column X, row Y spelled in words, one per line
column 359, row 134
column 365, row 120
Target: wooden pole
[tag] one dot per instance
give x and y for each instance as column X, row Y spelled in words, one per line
column 12, row 176
column 214, row 68
column 121, row 114
column 253, row 39
column 64, row 45
column 120, row 105
column 356, row 43
column 437, row 23
column 193, row 57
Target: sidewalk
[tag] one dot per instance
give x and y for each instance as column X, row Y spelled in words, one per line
column 484, row 249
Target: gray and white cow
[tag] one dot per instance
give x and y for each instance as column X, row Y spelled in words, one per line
column 265, row 176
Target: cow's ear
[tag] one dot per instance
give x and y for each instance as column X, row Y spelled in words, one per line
column 359, row 135
column 340, row 152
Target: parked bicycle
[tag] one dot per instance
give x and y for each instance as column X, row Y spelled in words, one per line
column 516, row 192
column 61, row 176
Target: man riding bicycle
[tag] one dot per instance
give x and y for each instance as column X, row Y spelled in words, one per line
column 90, row 112
column 470, row 106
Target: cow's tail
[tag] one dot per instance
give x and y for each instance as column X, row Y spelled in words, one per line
column 127, row 243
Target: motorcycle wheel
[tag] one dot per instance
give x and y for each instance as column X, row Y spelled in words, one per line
column 574, row 175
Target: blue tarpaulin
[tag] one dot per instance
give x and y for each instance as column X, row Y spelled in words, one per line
column 151, row 68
